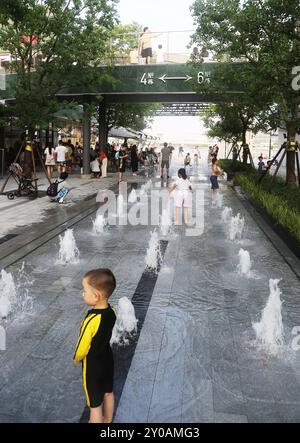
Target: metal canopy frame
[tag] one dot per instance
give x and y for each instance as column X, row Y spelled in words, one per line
column 182, row 109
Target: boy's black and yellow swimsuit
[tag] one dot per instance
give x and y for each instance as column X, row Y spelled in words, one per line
column 94, row 351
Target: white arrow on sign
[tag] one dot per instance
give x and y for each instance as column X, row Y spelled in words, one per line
column 164, row 78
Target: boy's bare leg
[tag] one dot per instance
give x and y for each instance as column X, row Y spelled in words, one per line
column 96, row 415
column 109, row 407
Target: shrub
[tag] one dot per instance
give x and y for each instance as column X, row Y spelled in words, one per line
column 281, row 202
column 234, row 166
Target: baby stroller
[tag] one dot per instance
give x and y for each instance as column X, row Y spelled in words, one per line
column 27, row 187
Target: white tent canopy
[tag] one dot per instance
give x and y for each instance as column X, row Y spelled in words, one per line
column 124, row 133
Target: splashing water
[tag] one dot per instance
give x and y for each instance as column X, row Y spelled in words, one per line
column 68, row 251
column 120, row 205
column 142, row 190
column 269, row 331
column 8, row 293
column 226, row 215
column 165, row 222
column 236, row 228
column 153, row 258
column 148, row 185
column 244, row 266
column 126, row 323
column 23, row 284
column 99, row 224
column 14, row 293
column 132, row 197
column 219, row 200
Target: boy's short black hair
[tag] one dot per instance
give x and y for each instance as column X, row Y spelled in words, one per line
column 64, row 176
column 102, row 279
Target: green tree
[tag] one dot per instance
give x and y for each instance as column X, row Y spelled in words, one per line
column 136, row 116
column 238, row 107
column 223, row 123
column 54, row 43
column 265, row 36
column 124, row 39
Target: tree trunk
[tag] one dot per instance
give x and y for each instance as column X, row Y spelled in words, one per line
column 291, row 160
column 244, row 144
column 31, row 131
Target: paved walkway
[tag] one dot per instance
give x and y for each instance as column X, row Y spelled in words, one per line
column 195, row 359
column 35, row 211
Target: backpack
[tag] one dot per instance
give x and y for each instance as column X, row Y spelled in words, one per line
column 52, row 191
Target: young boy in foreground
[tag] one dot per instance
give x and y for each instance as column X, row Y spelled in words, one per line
column 93, row 346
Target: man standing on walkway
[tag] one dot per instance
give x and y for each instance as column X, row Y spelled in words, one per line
column 145, row 45
column 165, row 159
column 61, row 157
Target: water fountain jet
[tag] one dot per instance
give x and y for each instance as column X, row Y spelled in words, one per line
column 153, row 258
column 269, row 331
column 244, row 266
column 126, row 324
column 68, row 251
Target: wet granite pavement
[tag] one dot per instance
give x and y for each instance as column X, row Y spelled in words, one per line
column 195, row 359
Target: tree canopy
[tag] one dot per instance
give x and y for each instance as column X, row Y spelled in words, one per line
column 53, row 43
column 265, row 37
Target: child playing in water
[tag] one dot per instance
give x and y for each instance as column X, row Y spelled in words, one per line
column 184, row 188
column 93, row 346
column 63, row 188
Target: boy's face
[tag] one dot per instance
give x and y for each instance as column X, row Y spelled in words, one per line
column 90, row 295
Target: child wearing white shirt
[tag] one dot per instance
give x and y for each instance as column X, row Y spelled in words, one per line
column 182, row 199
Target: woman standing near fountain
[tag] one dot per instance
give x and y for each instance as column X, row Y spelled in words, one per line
column 216, row 172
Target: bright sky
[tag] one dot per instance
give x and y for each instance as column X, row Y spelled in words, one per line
column 158, row 15
column 161, row 16
column 176, row 130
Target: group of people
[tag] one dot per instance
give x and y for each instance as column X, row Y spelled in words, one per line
column 65, row 156
column 126, row 157
column 99, row 161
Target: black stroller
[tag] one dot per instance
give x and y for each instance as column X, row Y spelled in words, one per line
column 27, row 187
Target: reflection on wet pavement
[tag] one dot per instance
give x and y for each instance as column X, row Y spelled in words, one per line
column 194, row 359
